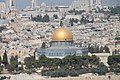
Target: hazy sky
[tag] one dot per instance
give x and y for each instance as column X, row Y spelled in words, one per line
column 23, row 3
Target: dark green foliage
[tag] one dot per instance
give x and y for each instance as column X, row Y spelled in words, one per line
column 39, row 18
column 83, row 20
column 55, row 16
column 114, row 59
column 98, row 49
column 49, row 63
column 29, row 62
column 43, row 45
column 101, row 49
column 107, row 50
column 114, row 63
column 46, row 18
column 117, row 38
column 76, row 12
column 115, row 10
column 61, row 23
column 72, row 21
column 71, row 65
column 47, row 73
column 72, row 62
column 13, row 64
column 0, row 60
column 5, row 59
column 60, row 73
column 101, row 69
column 1, row 68
column 94, row 60
column 56, row 73
column 73, row 73
column 12, row 20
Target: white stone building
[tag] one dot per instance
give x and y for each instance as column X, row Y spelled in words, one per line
column 86, row 5
column 2, row 6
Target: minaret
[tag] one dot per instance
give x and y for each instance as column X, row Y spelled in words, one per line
column 10, row 4
column 33, row 2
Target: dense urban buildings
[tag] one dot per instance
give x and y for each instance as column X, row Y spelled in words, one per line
column 60, row 41
column 2, row 5
column 86, row 5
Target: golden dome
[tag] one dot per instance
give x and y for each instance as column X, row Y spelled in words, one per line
column 62, row 34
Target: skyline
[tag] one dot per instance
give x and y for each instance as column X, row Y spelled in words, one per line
column 20, row 5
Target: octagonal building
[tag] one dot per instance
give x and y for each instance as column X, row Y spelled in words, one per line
column 62, row 45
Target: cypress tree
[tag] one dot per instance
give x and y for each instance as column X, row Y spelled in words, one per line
column 5, row 59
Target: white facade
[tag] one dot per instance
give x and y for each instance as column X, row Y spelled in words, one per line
column 80, row 5
column 2, row 6
column 10, row 4
column 96, row 3
column 33, row 4
column 85, row 4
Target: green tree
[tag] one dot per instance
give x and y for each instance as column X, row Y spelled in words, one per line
column 115, row 10
column 72, row 62
column 71, row 22
column 102, row 69
column 55, row 63
column 85, row 60
column 101, row 49
column 46, row 18
column 60, row 73
column 1, row 68
column 43, row 46
column 94, row 60
column 29, row 62
column 107, row 50
column 96, row 50
column 114, row 63
column 73, row 73
column 0, row 60
column 14, row 63
column 55, row 16
column 83, row 20
column 39, row 18
column 61, row 23
column 91, row 49
column 44, row 61
column 5, row 60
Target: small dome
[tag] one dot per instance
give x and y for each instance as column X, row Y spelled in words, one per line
column 62, row 34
